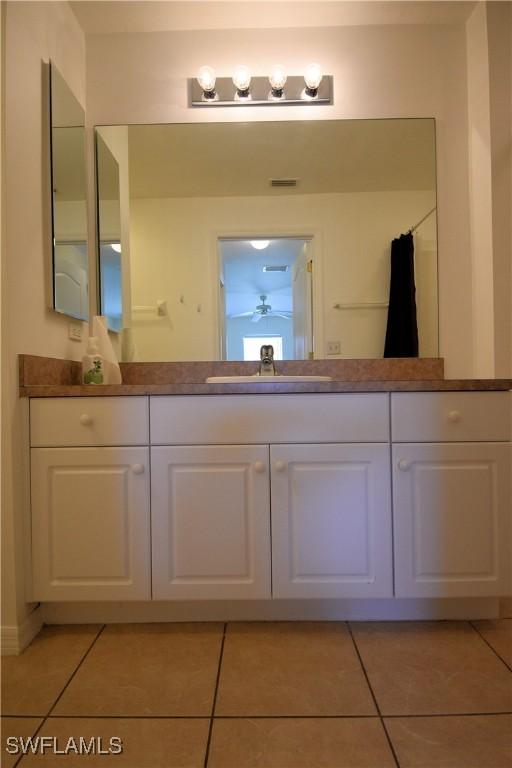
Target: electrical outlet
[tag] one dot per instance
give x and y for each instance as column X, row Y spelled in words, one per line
column 333, row 348
column 75, row 331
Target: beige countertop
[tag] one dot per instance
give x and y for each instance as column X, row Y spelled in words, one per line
column 53, row 377
column 91, row 390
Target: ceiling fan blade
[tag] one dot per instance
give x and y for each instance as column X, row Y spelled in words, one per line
column 286, row 315
column 241, row 314
column 256, row 317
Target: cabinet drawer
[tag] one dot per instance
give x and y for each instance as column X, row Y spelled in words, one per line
column 245, row 419
column 450, row 416
column 89, row 421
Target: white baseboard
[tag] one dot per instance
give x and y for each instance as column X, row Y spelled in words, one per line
column 15, row 638
column 272, row 610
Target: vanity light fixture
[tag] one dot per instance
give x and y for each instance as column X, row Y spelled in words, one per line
column 207, row 90
column 277, row 79
column 260, row 245
column 206, row 79
column 312, row 77
column 242, row 82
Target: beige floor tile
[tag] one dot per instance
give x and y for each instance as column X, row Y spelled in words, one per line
column 292, row 668
column 452, row 742
column 32, row 681
column 498, row 634
column 147, row 669
column 18, row 727
column 146, row 743
column 432, row 668
column 297, row 743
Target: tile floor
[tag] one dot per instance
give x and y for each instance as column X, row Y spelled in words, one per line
column 266, row 695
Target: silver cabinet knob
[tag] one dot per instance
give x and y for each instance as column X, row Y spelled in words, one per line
column 280, row 466
column 259, row 466
column 85, row 420
column 404, row 465
column 454, row 416
column 138, row 469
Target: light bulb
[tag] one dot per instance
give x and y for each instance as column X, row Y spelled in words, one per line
column 313, row 76
column 260, row 244
column 242, row 79
column 277, row 77
column 116, row 247
column 206, row 79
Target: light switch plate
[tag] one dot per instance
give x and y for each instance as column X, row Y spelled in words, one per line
column 75, row 331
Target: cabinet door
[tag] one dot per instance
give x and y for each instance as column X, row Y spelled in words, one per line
column 331, row 521
column 452, row 511
column 210, row 522
column 90, row 524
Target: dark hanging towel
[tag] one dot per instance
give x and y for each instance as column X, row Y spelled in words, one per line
column 402, row 328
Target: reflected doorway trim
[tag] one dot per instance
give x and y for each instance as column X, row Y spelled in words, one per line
column 314, row 234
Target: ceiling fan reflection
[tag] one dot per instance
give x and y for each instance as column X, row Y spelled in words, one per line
column 264, row 310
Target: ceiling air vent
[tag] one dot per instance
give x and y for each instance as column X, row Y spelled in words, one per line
column 283, row 182
column 276, row 268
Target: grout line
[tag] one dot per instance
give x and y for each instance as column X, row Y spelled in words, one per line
column 257, row 716
column 450, row 714
column 76, row 670
column 33, row 735
column 373, row 696
column 214, row 703
column 490, row 646
column 45, row 717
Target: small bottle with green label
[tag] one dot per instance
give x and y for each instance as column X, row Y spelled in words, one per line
column 92, row 363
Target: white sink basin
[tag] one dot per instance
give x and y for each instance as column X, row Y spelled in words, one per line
column 264, row 379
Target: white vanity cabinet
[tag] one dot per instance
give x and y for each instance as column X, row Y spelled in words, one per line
column 331, row 521
column 327, row 495
column 283, row 496
column 211, row 522
column 90, row 527
column 451, row 494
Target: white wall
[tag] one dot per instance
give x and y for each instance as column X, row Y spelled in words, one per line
column 35, row 32
column 480, row 191
column 387, row 71
column 499, row 31
column 488, row 33
column 173, row 257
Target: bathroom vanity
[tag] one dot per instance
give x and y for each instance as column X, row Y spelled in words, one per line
column 312, row 495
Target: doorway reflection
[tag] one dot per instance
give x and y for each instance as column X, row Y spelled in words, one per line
column 266, row 292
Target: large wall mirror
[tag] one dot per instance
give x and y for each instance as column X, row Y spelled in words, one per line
column 238, row 234
column 69, row 208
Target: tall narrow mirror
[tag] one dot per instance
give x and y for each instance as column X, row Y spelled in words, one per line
column 69, row 209
column 109, row 235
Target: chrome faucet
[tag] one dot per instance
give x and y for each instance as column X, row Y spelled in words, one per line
column 267, row 367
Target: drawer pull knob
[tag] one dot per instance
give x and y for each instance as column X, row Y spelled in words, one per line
column 280, row 466
column 138, row 469
column 404, row 465
column 454, row 416
column 85, row 420
column 259, row 466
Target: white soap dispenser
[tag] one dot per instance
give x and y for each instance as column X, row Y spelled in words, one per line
column 111, row 370
column 92, row 363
